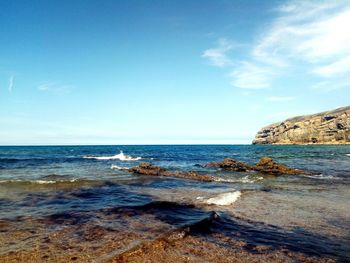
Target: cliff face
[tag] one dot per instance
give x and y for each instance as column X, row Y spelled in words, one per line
column 330, row 127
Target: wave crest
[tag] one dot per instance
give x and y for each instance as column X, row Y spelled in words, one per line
column 121, row 156
column 224, row 198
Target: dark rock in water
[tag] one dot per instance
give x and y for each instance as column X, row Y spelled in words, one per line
column 331, row 127
column 194, row 176
column 265, row 165
column 231, row 164
column 149, row 169
column 268, row 165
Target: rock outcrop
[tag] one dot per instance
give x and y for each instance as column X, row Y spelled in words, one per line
column 231, row 165
column 149, row 169
column 266, row 165
column 269, row 166
column 330, row 127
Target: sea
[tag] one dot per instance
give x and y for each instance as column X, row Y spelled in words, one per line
column 81, row 204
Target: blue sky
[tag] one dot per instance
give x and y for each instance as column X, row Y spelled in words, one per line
column 153, row 72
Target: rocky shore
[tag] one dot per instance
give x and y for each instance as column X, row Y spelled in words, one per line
column 330, row 127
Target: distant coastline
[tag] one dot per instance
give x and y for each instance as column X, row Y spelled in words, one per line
column 328, row 128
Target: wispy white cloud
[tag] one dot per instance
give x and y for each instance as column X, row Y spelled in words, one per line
column 11, row 83
column 339, row 67
column 318, row 29
column 312, row 35
column 279, row 99
column 331, row 85
column 250, row 76
column 54, row 87
column 219, row 56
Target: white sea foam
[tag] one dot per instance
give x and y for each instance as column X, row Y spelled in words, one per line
column 36, row 181
column 121, row 156
column 43, row 182
column 244, row 180
column 222, row 180
column 26, row 181
column 247, row 180
column 324, row 177
column 224, row 199
column 116, row 167
column 321, row 176
column 348, row 154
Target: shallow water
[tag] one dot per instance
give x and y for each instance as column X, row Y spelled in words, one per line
column 60, row 203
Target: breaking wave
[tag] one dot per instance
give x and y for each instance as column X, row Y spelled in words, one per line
column 224, row 199
column 121, row 156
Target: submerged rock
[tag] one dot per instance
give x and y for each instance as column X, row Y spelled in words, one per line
column 149, row 169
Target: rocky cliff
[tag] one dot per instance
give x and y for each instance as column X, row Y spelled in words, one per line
column 330, row 127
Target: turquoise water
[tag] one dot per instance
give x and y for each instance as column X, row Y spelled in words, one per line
column 72, row 184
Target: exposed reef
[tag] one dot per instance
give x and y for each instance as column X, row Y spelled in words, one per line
column 268, row 165
column 330, row 127
column 231, row 165
column 149, row 169
column 265, row 165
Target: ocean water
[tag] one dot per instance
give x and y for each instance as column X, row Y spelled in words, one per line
column 80, row 203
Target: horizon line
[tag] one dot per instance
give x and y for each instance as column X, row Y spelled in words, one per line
column 154, row 144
